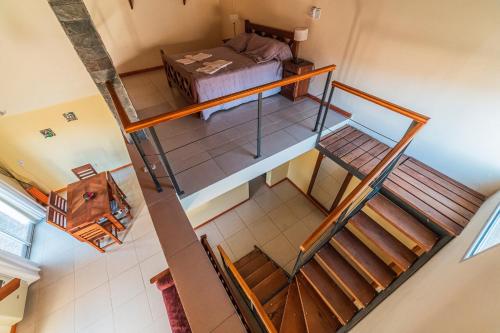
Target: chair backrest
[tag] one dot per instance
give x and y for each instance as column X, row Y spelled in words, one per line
column 91, row 232
column 58, row 202
column 84, row 171
column 56, row 218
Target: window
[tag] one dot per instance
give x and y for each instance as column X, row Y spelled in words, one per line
column 18, row 215
column 489, row 236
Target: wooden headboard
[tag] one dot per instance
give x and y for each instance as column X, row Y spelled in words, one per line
column 281, row 35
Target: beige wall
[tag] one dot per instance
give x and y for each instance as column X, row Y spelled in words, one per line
column 94, row 138
column 441, row 58
column 134, row 37
column 447, row 295
column 38, row 64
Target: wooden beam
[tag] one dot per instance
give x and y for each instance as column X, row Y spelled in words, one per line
column 341, row 192
column 9, row 288
column 315, row 172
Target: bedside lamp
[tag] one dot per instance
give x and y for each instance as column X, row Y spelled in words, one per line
column 299, row 35
column 234, row 18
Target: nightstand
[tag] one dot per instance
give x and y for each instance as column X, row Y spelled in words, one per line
column 296, row 90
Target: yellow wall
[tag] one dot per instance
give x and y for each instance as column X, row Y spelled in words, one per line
column 300, row 169
column 133, row 38
column 93, row 138
column 441, row 58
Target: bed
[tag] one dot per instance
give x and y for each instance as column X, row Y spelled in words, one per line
column 245, row 71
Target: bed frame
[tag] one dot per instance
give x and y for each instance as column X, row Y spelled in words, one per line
column 177, row 80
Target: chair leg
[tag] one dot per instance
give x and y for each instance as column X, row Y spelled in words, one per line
column 113, row 237
column 98, row 248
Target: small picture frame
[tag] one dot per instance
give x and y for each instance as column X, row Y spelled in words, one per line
column 70, row 116
column 47, row 133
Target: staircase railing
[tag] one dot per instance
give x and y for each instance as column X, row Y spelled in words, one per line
column 247, row 293
column 135, row 128
column 369, row 185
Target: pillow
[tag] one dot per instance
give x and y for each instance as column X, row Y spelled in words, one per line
column 238, row 43
column 262, row 49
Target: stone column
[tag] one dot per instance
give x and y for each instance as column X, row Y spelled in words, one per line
column 78, row 25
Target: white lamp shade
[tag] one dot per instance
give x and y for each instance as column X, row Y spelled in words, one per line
column 234, row 18
column 300, row 34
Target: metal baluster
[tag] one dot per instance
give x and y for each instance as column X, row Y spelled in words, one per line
column 164, row 160
column 318, row 138
column 137, row 142
column 327, row 84
column 259, row 125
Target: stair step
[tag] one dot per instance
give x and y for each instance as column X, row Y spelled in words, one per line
column 260, row 274
column 364, row 258
column 403, row 221
column 317, row 316
column 399, row 254
column 276, row 306
column 331, row 294
column 247, row 258
column 270, row 286
column 345, row 275
column 253, row 265
column 293, row 317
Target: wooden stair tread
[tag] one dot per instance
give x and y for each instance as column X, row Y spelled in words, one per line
column 345, row 275
column 403, row 221
column 399, row 254
column 364, row 258
column 270, row 286
column 332, row 295
column 276, row 306
column 260, row 274
column 317, row 316
column 293, row 317
column 247, row 258
column 253, row 265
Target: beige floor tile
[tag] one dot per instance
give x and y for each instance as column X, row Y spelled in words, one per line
column 56, row 295
column 229, row 224
column 120, row 258
column 296, row 234
column 125, row 286
column 91, row 276
column 92, row 306
column 285, row 190
column 214, row 236
column 147, row 245
column 241, row 243
column 152, row 266
column 280, row 250
column 300, row 206
column 313, row 220
column 134, row 315
column 264, row 230
column 268, row 201
column 283, row 217
column 61, row 321
column 103, row 325
column 250, row 211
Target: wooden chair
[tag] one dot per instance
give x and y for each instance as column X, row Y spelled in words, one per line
column 56, row 218
column 96, row 233
column 58, row 202
column 84, row 171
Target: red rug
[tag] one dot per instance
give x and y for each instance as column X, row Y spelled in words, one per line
column 175, row 311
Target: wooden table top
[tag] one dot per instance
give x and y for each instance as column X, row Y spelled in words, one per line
column 82, row 213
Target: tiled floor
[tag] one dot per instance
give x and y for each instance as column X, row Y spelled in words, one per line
column 276, row 219
column 82, row 290
column 203, row 152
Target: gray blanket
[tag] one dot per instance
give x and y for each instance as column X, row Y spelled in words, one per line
column 242, row 74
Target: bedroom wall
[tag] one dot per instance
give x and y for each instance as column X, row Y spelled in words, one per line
column 94, row 138
column 134, row 37
column 440, row 58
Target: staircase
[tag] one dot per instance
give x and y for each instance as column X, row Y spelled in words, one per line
column 348, row 275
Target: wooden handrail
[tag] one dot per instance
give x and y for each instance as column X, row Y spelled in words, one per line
column 9, row 288
column 191, row 109
column 159, row 276
column 248, row 292
column 379, row 101
column 363, row 185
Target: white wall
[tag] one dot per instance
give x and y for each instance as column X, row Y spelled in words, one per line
column 134, row 37
column 38, row 64
column 440, row 58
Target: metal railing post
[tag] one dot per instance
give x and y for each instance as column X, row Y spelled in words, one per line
column 259, row 125
column 137, row 142
column 318, row 138
column 164, row 160
column 327, row 84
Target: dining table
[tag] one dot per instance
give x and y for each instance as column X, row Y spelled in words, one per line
column 83, row 210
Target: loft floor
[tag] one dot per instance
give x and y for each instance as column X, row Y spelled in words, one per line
column 202, row 152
